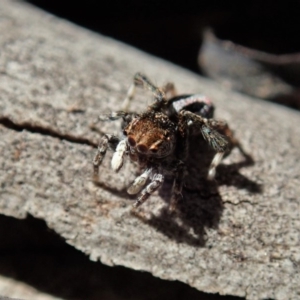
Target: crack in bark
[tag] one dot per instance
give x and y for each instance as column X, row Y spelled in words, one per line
column 8, row 123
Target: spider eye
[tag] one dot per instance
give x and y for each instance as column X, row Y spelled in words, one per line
column 142, row 148
column 131, row 141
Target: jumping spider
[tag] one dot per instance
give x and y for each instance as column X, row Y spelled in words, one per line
column 158, row 138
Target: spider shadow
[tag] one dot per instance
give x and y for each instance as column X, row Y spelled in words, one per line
column 201, row 206
column 196, row 211
column 229, row 175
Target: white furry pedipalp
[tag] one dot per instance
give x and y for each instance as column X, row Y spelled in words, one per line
column 118, row 157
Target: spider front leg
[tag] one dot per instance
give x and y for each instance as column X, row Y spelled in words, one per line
column 106, row 141
column 156, row 181
column 141, row 80
column 169, row 90
column 112, row 116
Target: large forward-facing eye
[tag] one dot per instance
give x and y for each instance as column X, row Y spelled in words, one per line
column 142, row 148
column 131, row 141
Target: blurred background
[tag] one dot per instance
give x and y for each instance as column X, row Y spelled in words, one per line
column 177, row 31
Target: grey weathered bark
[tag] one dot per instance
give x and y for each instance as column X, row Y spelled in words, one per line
column 239, row 236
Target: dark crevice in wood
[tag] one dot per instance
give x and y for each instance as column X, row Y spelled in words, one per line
column 35, row 255
column 8, row 123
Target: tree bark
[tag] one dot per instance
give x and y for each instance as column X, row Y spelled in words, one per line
column 236, row 236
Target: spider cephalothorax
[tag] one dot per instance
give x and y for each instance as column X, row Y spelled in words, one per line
column 158, row 138
column 151, row 134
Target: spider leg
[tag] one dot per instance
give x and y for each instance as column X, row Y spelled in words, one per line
column 141, row 80
column 106, row 141
column 210, row 130
column 213, row 165
column 112, row 116
column 139, row 182
column 179, row 169
column 169, row 90
column 221, row 127
column 177, row 185
column 184, row 132
column 130, row 95
column 155, row 183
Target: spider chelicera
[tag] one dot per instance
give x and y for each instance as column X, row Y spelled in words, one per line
column 158, row 138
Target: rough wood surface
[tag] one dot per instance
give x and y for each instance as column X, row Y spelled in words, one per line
column 238, row 236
